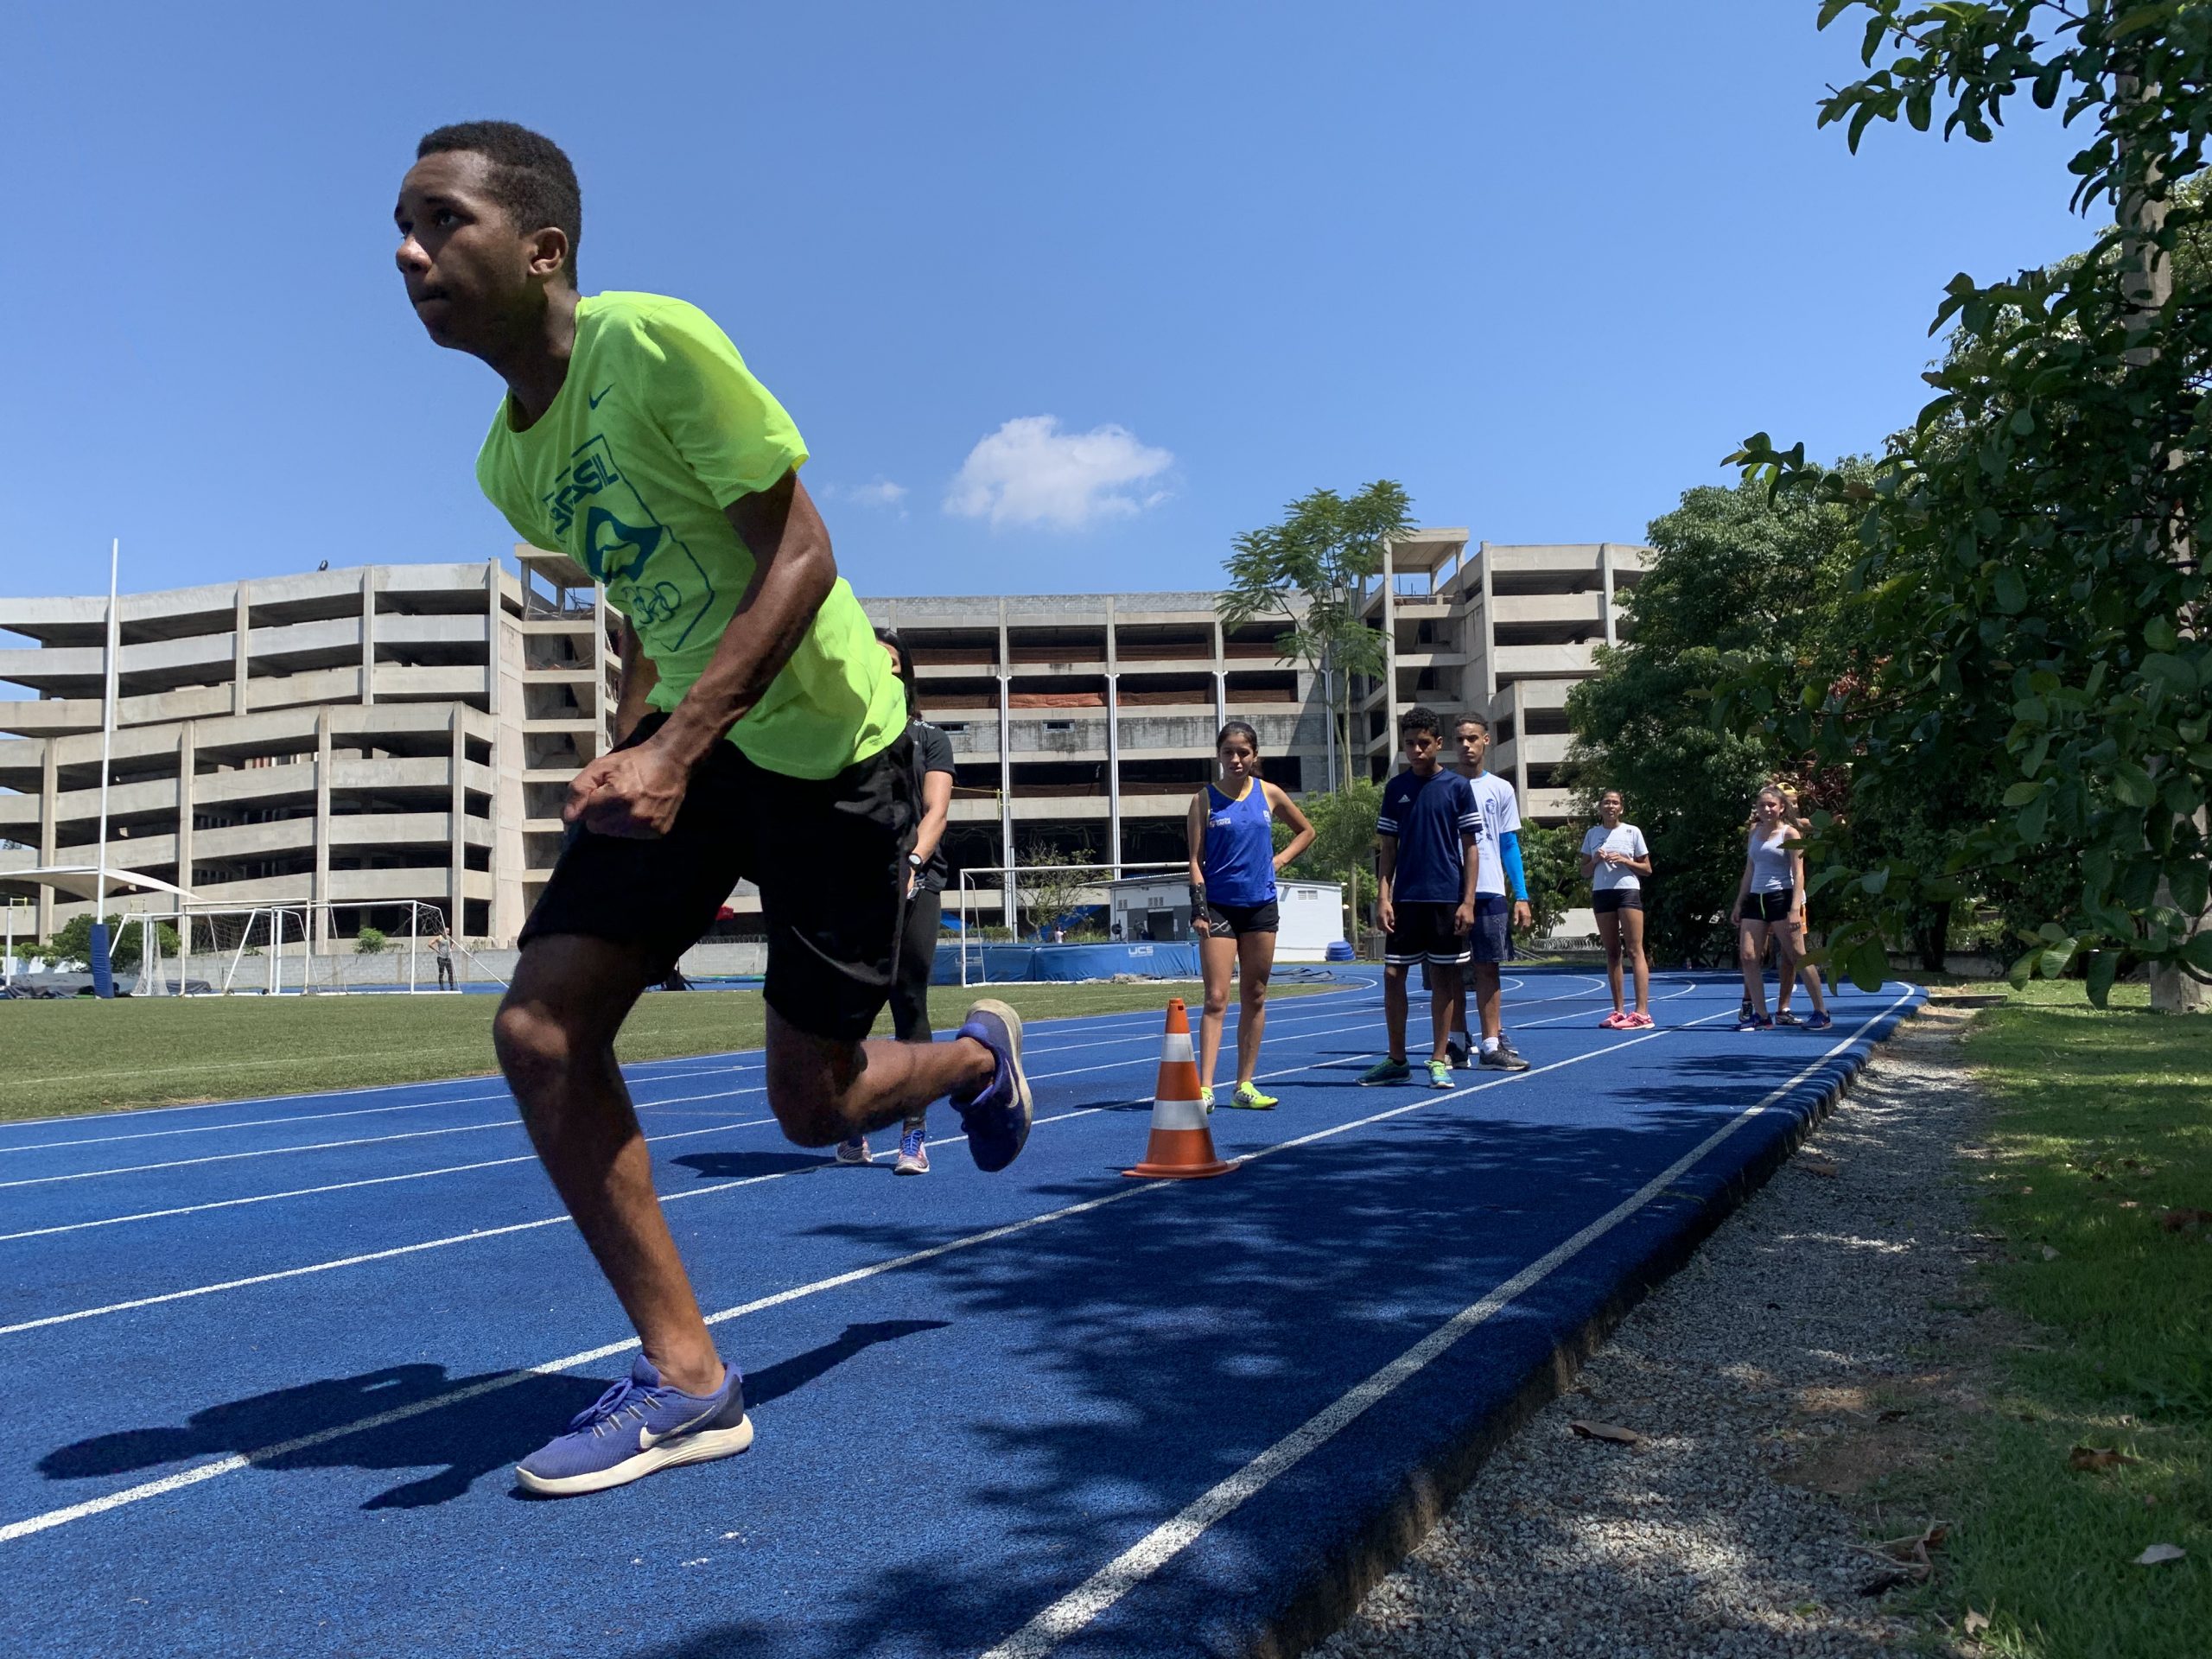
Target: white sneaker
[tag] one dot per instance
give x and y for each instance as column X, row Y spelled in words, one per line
column 854, row 1150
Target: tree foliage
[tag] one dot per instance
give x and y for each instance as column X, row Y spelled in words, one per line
column 72, row 942
column 1732, row 574
column 1052, row 884
column 1308, row 572
column 2025, row 603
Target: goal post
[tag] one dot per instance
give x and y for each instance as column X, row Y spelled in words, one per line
column 1030, row 900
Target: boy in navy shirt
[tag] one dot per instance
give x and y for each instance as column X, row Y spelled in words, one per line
column 1426, row 839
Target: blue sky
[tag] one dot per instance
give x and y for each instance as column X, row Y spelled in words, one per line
column 1062, row 296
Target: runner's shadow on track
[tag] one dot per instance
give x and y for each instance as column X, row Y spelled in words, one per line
column 739, row 1166
column 462, row 1441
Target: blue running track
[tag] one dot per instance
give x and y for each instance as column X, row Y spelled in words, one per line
column 274, row 1357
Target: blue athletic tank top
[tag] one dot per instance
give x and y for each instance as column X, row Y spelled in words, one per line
column 1240, row 852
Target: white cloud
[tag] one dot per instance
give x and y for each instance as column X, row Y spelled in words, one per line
column 879, row 492
column 1029, row 472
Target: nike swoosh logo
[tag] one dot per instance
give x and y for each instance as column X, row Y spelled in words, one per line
column 647, row 1440
column 602, row 392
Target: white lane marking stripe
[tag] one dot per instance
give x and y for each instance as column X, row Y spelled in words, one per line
column 509, row 1122
column 463, row 1129
column 630, row 1070
column 741, row 1060
column 1083, row 1604
column 345, row 1186
column 271, row 1277
column 270, row 1453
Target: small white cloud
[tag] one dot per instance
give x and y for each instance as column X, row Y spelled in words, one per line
column 879, row 492
column 1029, row 472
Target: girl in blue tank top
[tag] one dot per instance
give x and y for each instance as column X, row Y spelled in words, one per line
column 1233, row 911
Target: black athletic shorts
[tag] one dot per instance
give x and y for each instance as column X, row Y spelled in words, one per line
column 1424, row 933
column 1234, row 921
column 1605, row 901
column 1773, row 907
column 829, row 855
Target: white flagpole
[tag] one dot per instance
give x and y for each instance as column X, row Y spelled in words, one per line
column 107, row 721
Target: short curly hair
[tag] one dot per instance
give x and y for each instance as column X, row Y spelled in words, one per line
column 530, row 176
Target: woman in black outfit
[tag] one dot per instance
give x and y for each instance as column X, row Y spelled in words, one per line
column 926, row 872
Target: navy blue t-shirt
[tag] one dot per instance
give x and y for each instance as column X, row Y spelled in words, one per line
column 1429, row 815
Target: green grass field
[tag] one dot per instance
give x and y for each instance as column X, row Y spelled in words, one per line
column 84, row 1056
column 2103, row 1131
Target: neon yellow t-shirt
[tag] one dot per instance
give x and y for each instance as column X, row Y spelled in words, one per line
column 658, row 428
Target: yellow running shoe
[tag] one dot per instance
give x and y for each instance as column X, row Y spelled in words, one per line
column 1252, row 1100
column 1205, row 1096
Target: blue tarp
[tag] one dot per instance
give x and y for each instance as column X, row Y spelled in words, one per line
column 1000, row 964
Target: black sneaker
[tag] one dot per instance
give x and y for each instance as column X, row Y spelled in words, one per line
column 1455, row 1054
column 1501, row 1058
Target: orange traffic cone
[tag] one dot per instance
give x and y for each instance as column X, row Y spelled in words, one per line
column 1181, row 1148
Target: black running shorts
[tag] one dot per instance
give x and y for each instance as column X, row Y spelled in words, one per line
column 1234, row 921
column 1424, row 933
column 828, row 854
column 1771, row 906
column 1606, row 900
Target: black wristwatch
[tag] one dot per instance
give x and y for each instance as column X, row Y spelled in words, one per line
column 914, row 861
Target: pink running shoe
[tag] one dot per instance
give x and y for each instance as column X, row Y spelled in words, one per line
column 1640, row 1021
column 1617, row 1022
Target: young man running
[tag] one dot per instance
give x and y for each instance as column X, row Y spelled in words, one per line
column 1490, row 941
column 761, row 736
column 1426, row 836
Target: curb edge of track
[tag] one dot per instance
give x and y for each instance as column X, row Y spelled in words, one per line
column 1334, row 1591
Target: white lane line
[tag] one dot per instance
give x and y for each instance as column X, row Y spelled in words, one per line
column 1072, row 1612
column 477, row 1234
column 631, row 1071
column 343, row 1187
column 508, row 1122
column 742, row 1060
column 200, row 1472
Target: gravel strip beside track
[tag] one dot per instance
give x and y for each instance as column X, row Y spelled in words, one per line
column 1749, row 1370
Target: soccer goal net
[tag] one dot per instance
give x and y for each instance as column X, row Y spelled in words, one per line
column 999, row 916
column 318, row 948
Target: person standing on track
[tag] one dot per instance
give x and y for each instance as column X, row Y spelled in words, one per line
column 1615, row 860
column 1795, row 817
column 1425, row 865
column 760, row 736
column 442, row 953
column 1498, row 872
column 1233, row 910
column 1770, row 898
column 925, row 866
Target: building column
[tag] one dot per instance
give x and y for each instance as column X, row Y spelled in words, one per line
column 240, row 658
column 49, row 828
column 368, row 634
column 319, row 933
column 1605, row 578
column 1004, row 670
column 187, row 761
column 1114, row 765
column 456, row 822
column 1520, row 750
column 1488, row 632
column 1389, row 653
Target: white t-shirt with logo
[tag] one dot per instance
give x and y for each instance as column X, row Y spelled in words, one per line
column 1621, row 838
column 1500, row 805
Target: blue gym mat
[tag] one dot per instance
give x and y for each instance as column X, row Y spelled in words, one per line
column 275, row 1358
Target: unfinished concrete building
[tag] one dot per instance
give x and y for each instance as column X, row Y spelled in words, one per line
column 357, row 739
column 366, row 737
column 1505, row 631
